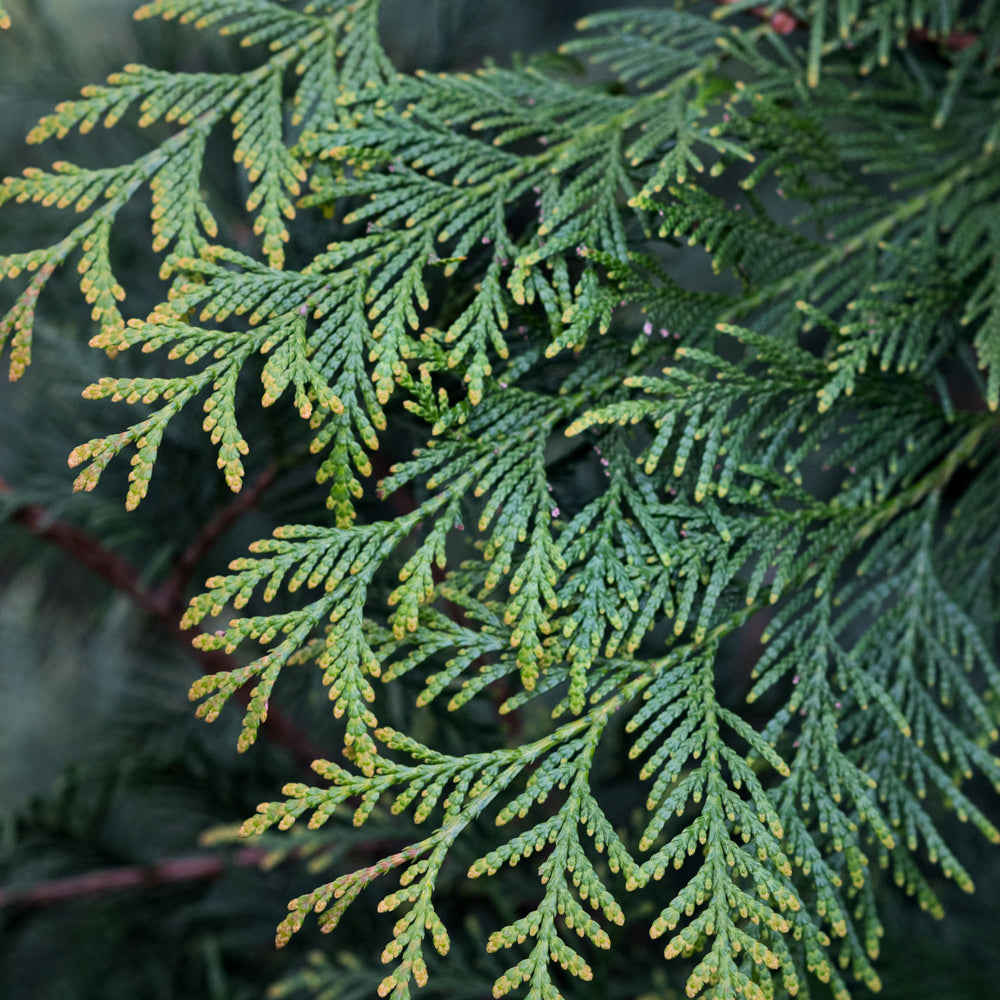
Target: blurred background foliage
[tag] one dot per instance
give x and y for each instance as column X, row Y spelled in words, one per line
column 102, row 766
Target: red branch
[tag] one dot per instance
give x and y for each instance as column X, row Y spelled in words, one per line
column 164, row 605
column 191, row 868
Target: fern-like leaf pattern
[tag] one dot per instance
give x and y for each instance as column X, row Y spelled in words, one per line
column 500, row 280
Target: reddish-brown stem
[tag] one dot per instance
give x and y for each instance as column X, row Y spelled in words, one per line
column 85, row 550
column 191, row 868
column 163, row 604
column 173, row 589
column 956, row 41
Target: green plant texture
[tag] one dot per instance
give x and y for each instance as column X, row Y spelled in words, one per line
column 653, row 389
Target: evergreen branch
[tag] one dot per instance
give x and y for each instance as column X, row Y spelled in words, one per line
column 961, row 454
column 871, row 236
column 501, row 256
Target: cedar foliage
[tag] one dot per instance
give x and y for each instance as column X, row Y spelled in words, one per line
column 618, row 474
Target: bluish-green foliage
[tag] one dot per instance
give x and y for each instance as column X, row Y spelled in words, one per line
column 622, row 469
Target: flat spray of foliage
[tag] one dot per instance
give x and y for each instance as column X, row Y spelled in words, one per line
column 811, row 442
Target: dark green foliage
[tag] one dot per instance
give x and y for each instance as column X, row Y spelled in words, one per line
column 619, row 468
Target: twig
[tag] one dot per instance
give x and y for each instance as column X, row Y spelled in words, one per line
column 160, row 604
column 172, row 590
column 164, row 872
column 956, row 41
column 84, row 550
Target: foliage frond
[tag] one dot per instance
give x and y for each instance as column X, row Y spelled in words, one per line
column 698, row 346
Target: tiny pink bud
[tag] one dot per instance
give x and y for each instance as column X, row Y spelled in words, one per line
column 784, row 23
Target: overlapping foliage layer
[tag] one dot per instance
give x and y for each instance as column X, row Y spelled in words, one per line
column 619, row 472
